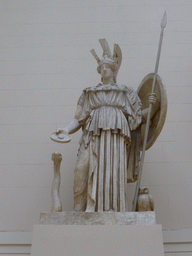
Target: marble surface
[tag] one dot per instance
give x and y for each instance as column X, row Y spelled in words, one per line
column 145, row 201
column 56, row 201
column 110, row 115
column 98, row 218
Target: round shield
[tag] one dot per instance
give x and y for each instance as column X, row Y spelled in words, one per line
column 60, row 137
column 157, row 122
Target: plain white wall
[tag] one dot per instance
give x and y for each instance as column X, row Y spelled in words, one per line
column 46, row 63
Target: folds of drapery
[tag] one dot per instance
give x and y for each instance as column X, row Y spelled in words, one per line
column 106, row 185
column 121, row 99
column 109, row 151
column 107, row 173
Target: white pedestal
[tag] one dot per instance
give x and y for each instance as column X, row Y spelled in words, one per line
column 97, row 240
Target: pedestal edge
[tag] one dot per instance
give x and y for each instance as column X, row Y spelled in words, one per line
column 97, row 218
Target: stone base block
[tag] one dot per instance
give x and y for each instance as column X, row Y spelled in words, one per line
column 96, row 234
column 97, row 240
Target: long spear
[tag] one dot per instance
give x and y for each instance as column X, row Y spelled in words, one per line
column 163, row 24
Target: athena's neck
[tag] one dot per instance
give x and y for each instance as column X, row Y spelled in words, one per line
column 108, row 80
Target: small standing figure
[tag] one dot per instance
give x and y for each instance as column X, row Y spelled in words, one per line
column 56, row 202
column 145, row 201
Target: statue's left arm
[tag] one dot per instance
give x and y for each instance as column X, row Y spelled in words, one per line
column 155, row 106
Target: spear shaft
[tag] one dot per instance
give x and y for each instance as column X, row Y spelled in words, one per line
column 163, row 24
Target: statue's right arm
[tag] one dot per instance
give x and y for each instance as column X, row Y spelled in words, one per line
column 74, row 125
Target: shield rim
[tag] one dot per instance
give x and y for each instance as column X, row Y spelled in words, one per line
column 163, row 107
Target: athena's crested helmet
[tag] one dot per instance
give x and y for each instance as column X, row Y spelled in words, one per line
column 113, row 61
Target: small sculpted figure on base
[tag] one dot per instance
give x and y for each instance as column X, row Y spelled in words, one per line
column 145, row 201
column 56, row 202
column 111, row 116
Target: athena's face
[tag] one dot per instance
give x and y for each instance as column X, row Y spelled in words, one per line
column 106, row 71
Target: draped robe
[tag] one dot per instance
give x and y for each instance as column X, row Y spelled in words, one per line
column 109, row 152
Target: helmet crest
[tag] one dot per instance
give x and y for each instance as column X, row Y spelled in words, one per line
column 113, row 61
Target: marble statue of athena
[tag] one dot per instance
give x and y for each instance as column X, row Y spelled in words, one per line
column 110, row 116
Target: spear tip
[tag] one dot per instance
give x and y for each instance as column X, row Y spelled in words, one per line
column 164, row 20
